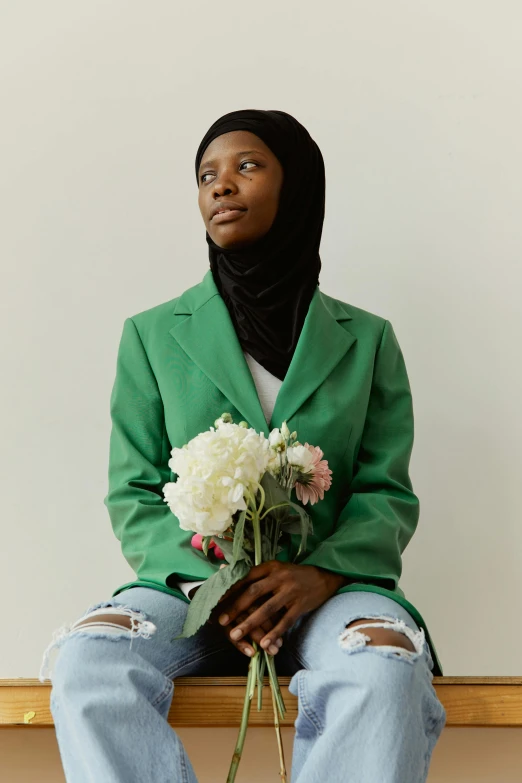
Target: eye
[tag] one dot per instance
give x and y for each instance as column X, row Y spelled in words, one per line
column 202, row 178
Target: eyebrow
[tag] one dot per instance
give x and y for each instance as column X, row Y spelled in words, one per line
column 243, row 152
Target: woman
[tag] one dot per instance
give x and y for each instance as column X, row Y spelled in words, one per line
column 258, row 338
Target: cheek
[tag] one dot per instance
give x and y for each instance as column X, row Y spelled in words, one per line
column 266, row 209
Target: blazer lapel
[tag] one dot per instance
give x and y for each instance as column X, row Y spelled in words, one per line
column 322, row 344
column 207, row 335
column 209, row 338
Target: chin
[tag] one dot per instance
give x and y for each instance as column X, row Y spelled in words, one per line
column 228, row 243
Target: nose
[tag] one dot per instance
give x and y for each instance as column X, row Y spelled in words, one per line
column 224, row 183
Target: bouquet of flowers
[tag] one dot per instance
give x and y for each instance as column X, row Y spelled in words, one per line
column 233, row 491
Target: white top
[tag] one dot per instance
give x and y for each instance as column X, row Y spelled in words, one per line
column 267, row 386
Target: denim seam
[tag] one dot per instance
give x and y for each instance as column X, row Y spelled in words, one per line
column 184, row 770
column 308, row 711
column 163, row 695
column 433, row 726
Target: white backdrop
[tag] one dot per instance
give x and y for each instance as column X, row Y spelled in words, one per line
column 417, row 109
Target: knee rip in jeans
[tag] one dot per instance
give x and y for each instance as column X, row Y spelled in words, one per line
column 126, row 622
column 352, row 640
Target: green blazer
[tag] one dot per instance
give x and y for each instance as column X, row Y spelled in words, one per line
column 180, row 365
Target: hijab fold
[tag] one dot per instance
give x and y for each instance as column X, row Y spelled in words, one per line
column 267, row 286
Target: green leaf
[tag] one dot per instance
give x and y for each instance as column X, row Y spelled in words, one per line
column 228, row 551
column 206, row 543
column 266, row 548
column 306, row 526
column 274, row 495
column 208, row 595
column 239, row 534
column 291, row 524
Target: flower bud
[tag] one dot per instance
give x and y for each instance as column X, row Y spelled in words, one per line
column 197, row 541
column 225, row 418
column 285, row 432
column 276, row 440
column 243, row 424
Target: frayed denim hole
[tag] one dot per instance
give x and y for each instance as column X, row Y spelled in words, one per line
column 111, row 637
column 379, row 616
column 140, row 626
column 113, row 605
column 98, row 606
column 356, row 639
column 396, row 653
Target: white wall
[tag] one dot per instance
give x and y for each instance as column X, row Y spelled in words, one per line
column 417, row 109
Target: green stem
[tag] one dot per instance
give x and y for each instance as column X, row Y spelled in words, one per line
column 260, row 676
column 275, row 539
column 236, row 758
column 274, row 683
column 263, row 497
column 282, row 767
column 279, row 505
column 255, row 671
column 257, row 539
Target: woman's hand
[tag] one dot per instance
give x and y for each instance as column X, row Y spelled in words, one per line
column 291, row 590
column 244, row 645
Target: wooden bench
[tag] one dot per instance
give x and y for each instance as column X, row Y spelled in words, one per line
column 218, row 702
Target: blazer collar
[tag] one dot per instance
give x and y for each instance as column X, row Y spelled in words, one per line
column 205, row 331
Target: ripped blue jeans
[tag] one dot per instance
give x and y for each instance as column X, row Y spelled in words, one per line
column 366, row 713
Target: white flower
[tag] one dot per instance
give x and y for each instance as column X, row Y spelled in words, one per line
column 274, row 464
column 300, row 457
column 215, row 470
column 276, row 440
column 285, row 431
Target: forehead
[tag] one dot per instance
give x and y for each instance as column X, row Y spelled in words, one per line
column 234, row 144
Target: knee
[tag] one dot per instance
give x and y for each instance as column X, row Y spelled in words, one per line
column 387, row 632
column 103, row 619
column 383, row 636
column 79, row 656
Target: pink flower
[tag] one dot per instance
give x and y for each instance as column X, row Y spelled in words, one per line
column 197, row 543
column 313, row 484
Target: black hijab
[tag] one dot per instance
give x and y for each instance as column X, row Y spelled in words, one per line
column 268, row 285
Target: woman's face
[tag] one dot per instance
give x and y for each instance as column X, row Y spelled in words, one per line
column 238, row 169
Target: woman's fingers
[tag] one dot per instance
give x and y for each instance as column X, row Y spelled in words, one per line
column 265, row 612
column 242, row 601
column 245, row 645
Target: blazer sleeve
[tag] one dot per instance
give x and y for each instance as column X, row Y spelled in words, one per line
column 382, row 511
column 151, row 540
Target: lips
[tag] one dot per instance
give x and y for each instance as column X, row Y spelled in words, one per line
column 228, row 215
column 222, row 207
